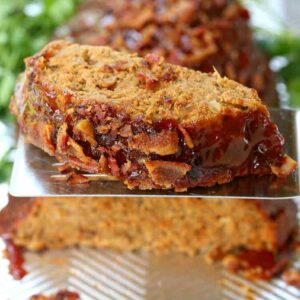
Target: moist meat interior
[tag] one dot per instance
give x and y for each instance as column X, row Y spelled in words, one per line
column 159, row 225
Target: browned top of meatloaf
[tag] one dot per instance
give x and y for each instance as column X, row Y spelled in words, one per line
column 16, row 210
column 141, row 88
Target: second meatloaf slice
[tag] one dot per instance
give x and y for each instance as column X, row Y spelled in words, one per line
column 148, row 123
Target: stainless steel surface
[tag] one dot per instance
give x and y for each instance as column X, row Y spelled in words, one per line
column 104, row 274
column 33, row 170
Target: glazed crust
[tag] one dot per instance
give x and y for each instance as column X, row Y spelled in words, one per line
column 159, row 225
column 61, row 295
column 148, row 123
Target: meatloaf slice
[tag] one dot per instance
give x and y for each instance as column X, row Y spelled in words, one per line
column 146, row 122
column 159, row 225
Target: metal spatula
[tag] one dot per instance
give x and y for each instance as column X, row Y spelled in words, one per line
column 34, row 173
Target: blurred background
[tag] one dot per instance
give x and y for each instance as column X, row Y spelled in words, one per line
column 259, row 48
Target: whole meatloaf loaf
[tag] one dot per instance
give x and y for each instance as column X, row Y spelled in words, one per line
column 148, row 123
column 161, row 225
column 199, row 34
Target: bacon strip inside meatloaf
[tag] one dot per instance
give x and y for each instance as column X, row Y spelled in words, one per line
column 146, row 122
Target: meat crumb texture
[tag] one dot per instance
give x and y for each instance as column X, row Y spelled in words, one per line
column 148, row 123
column 197, row 34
